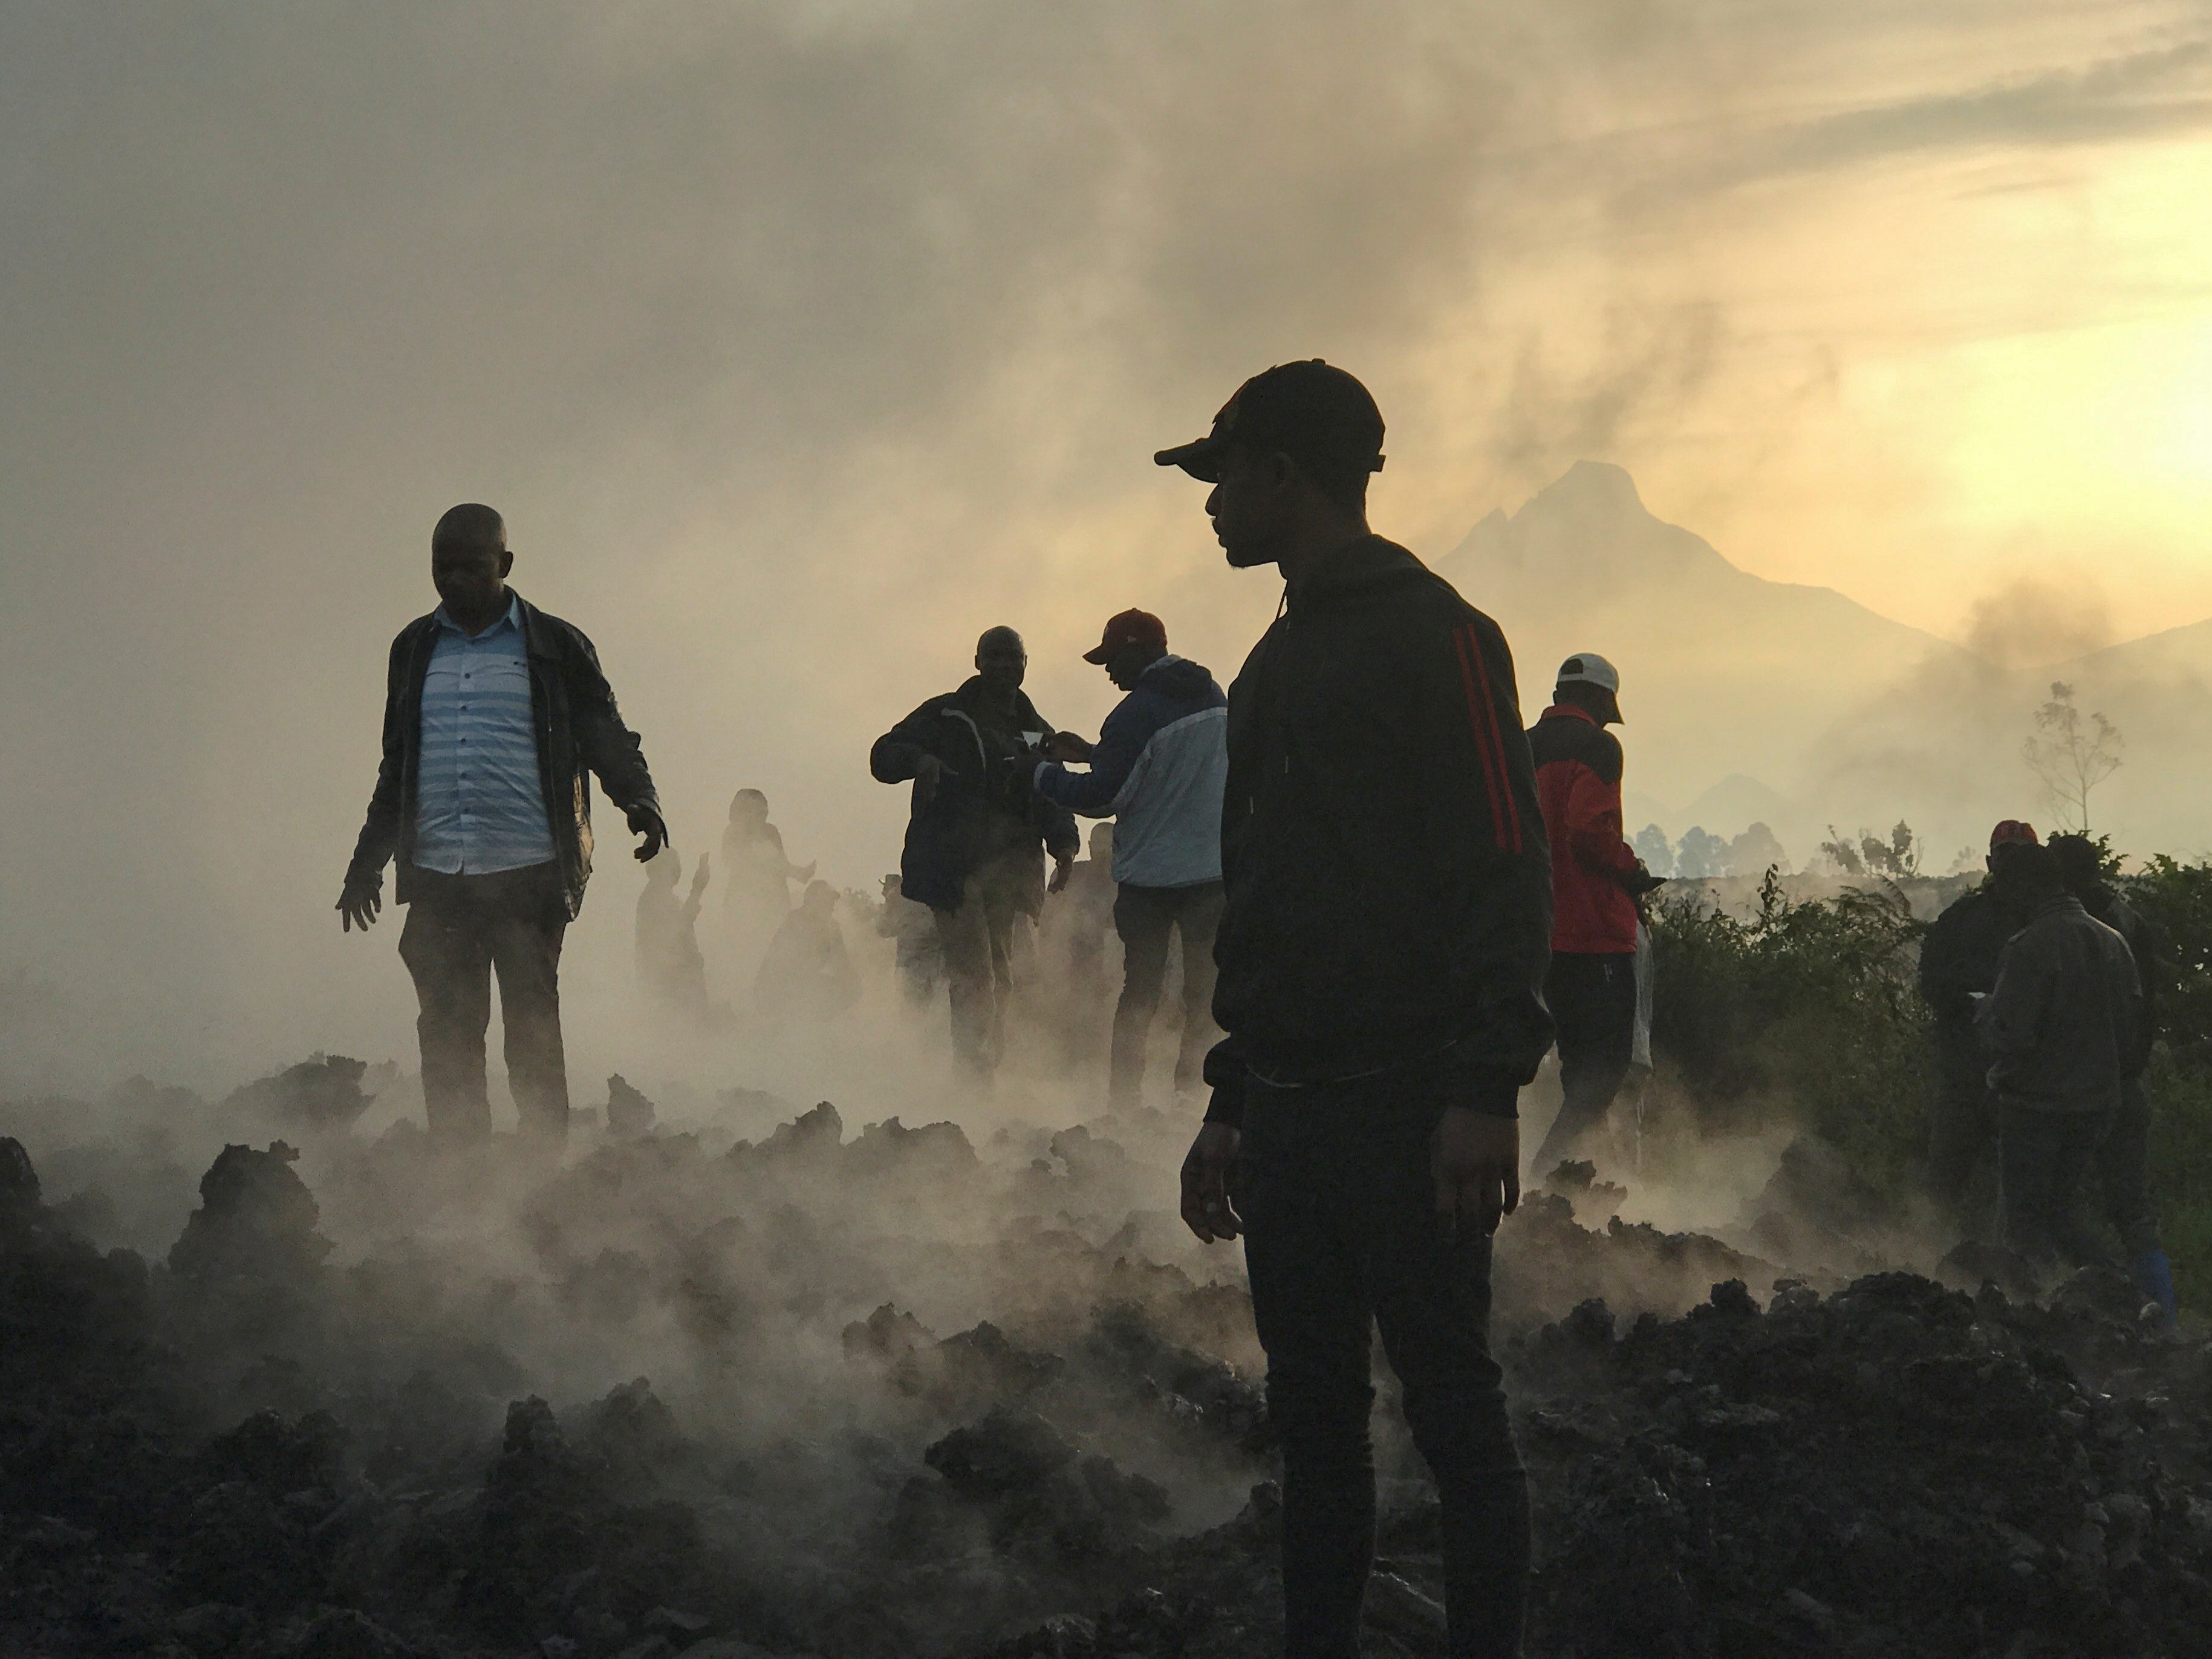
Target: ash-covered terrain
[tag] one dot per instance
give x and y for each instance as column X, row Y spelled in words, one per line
column 875, row 1390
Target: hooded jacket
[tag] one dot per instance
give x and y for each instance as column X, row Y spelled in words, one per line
column 1578, row 783
column 580, row 732
column 2065, row 1022
column 1158, row 772
column 1389, row 894
column 984, row 807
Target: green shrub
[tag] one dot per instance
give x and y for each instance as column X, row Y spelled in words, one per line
column 1807, row 1007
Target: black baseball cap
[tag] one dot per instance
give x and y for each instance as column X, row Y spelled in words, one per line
column 1312, row 411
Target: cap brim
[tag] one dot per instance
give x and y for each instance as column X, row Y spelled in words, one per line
column 1202, row 460
column 1097, row 656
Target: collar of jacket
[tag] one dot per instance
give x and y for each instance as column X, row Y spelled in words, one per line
column 1567, row 710
column 1369, row 562
column 2059, row 905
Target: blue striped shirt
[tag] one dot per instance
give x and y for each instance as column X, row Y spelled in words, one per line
column 480, row 805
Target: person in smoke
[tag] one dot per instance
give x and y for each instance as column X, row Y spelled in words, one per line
column 1958, row 963
column 2064, row 1025
column 2123, row 1157
column 666, row 941
column 1596, row 881
column 974, row 831
column 808, row 973
column 1157, row 769
column 757, row 877
column 495, row 715
column 1386, row 920
column 919, row 959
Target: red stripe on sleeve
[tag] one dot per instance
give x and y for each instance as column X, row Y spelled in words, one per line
column 1484, row 736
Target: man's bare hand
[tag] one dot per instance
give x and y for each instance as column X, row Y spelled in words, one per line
column 929, row 772
column 1476, row 1161
column 644, row 820
column 1206, row 1209
column 1067, row 746
column 358, row 905
column 1063, row 866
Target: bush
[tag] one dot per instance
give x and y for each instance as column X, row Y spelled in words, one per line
column 1807, row 1007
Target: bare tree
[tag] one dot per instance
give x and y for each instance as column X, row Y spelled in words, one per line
column 2072, row 753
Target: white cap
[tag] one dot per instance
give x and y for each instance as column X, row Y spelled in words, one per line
column 1587, row 668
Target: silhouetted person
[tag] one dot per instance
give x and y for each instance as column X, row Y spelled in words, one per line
column 757, row 877
column 2124, row 1158
column 808, row 973
column 920, row 957
column 667, row 938
column 494, row 716
column 1380, row 954
column 1596, row 880
column 2064, row 1026
column 1958, row 962
column 1161, row 761
column 974, row 837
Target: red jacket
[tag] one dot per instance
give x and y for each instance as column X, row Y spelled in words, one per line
column 1578, row 787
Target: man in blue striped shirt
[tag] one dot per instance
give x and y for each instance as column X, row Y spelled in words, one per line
column 495, row 715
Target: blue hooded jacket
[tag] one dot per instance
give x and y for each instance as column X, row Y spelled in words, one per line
column 1158, row 772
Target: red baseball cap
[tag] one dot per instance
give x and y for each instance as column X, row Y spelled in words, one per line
column 1130, row 628
column 2013, row 833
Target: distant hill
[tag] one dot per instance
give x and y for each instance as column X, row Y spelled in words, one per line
column 1724, row 675
column 1795, row 706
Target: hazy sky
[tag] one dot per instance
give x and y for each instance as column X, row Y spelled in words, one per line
column 801, row 341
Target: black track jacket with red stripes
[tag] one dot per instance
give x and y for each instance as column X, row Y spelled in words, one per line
column 1389, row 891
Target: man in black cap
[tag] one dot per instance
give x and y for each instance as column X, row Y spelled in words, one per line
column 1384, row 937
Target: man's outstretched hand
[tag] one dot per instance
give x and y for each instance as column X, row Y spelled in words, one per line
column 1063, row 866
column 1476, row 1160
column 1206, row 1209
column 358, row 905
column 645, row 821
column 1067, row 746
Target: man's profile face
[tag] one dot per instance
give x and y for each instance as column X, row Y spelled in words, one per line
column 1001, row 660
column 469, row 575
column 1247, row 506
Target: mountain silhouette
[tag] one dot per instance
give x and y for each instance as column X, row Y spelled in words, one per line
column 1794, row 705
column 1724, row 675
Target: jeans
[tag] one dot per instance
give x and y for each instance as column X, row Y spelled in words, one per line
column 1966, row 1121
column 1144, row 917
column 2041, row 1157
column 460, row 930
column 2123, row 1173
column 1592, row 997
column 977, row 942
column 1341, row 1234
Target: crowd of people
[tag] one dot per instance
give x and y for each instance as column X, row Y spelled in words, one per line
column 1383, row 899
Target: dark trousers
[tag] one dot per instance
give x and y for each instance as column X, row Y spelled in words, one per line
column 1593, row 1002
column 2124, row 1173
column 1341, row 1235
column 1144, row 917
column 977, row 942
column 2042, row 1157
column 461, row 930
column 1965, row 1125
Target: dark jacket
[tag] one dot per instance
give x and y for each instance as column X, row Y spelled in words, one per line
column 984, row 808
column 1578, row 785
column 1959, row 957
column 580, row 732
column 2145, row 944
column 2065, row 1020
column 1388, row 892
